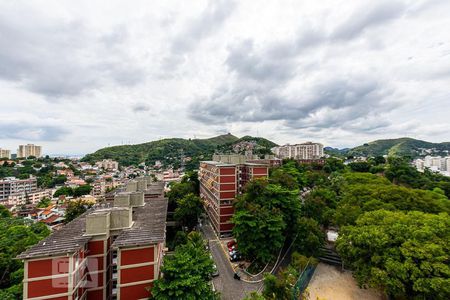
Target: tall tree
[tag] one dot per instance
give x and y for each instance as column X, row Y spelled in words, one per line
column 261, row 192
column 309, row 237
column 259, row 231
column 178, row 191
column 186, row 274
column 189, row 209
column 76, row 208
column 16, row 235
column 82, row 190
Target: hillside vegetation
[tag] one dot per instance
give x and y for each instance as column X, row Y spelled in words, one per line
column 172, row 151
column 399, row 147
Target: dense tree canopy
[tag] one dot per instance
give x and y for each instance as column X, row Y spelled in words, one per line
column 309, row 237
column 404, row 253
column 16, row 235
column 44, row 203
column 186, row 273
column 179, row 191
column 189, row 209
column 259, row 231
column 65, row 190
column 320, row 205
column 265, row 194
column 264, row 217
column 359, row 198
column 82, row 190
column 76, row 208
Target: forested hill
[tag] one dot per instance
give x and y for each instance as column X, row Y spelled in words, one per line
column 173, row 151
column 401, row 147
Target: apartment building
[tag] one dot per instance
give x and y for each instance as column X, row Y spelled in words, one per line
column 29, row 150
column 434, row 163
column 106, row 253
column 5, row 153
column 220, row 183
column 108, row 164
column 302, row 151
column 27, row 198
column 19, row 188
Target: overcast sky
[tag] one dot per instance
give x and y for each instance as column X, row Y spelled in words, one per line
column 76, row 76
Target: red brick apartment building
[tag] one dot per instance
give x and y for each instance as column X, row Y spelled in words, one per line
column 220, row 183
column 107, row 253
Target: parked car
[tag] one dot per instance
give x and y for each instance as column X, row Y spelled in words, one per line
column 231, row 244
column 235, row 256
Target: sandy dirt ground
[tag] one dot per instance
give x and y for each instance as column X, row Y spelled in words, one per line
column 329, row 283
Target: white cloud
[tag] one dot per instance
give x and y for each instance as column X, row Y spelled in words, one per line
column 76, row 76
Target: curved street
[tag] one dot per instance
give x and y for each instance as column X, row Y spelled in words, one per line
column 229, row 288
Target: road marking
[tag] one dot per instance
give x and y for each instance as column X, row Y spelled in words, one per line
column 221, row 246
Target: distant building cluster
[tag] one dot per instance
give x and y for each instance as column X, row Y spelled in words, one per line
column 108, row 164
column 52, row 215
column 22, row 151
column 302, row 151
column 434, row 163
column 221, row 180
column 29, row 150
column 15, row 191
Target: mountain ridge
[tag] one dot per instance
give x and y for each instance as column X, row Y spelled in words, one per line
column 404, row 146
column 175, row 151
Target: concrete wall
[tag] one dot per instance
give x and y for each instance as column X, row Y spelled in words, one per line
column 122, row 200
column 121, row 218
column 97, row 223
column 137, row 199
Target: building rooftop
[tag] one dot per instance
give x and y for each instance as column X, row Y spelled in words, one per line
column 149, row 225
column 154, row 190
column 256, row 164
column 218, row 163
column 69, row 239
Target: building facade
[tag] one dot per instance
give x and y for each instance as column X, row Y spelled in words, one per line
column 18, row 188
column 434, row 163
column 5, row 153
column 108, row 164
column 106, row 253
column 28, row 198
column 220, row 183
column 306, row 150
column 29, row 150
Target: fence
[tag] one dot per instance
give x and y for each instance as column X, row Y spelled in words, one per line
column 303, row 281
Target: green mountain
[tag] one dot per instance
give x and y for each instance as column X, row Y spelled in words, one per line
column 402, row 147
column 175, row 151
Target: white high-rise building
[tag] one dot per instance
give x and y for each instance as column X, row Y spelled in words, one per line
column 447, row 164
column 435, row 164
column 420, row 164
column 306, row 150
column 5, row 153
column 29, row 150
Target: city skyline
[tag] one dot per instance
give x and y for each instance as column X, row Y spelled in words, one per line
column 80, row 76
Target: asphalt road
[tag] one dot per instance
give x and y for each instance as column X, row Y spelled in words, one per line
column 229, row 288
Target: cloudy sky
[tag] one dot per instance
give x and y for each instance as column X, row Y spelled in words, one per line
column 79, row 75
